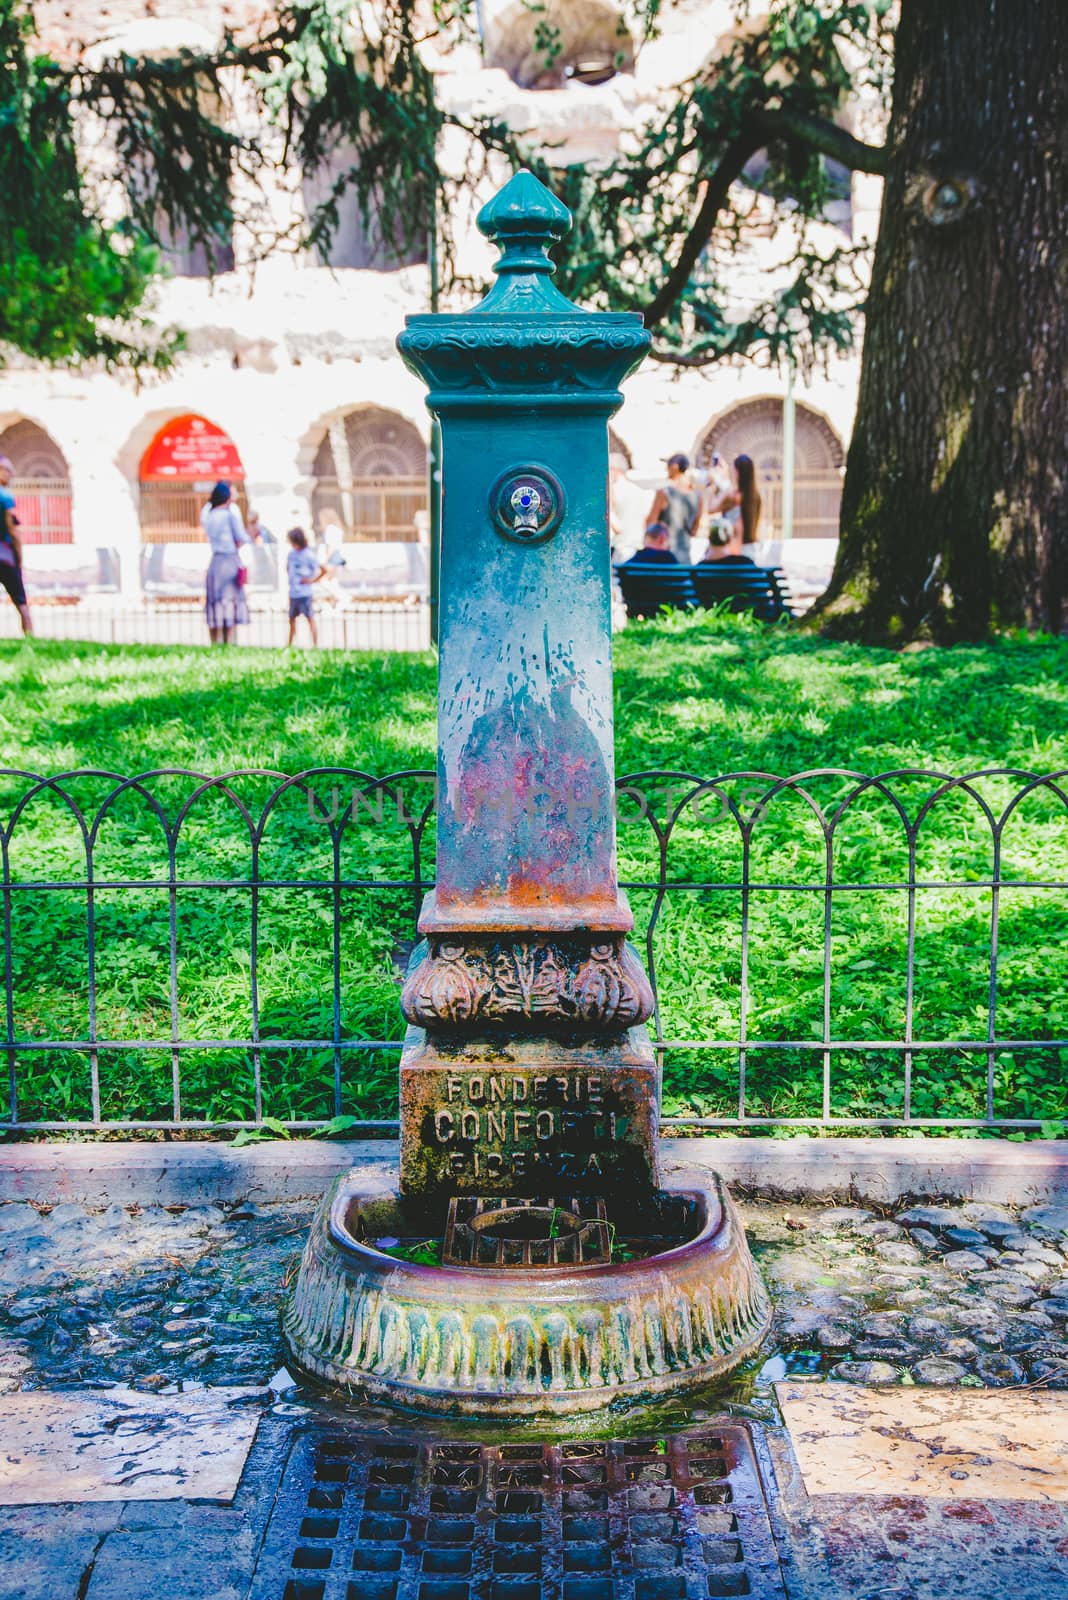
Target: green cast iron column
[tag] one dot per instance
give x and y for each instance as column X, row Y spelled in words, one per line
column 523, row 387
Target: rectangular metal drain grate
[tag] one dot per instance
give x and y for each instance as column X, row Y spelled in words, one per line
column 380, row 1517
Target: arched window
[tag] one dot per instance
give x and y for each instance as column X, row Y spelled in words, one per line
column 557, row 42
column 370, row 476
column 145, row 36
column 356, row 242
column 40, row 484
column 755, row 429
column 181, row 466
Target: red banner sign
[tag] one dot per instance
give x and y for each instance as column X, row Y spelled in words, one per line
column 191, row 449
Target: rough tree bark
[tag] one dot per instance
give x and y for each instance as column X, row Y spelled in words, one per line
column 955, row 507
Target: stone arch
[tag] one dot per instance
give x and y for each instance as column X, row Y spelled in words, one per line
column 754, row 428
column 40, row 483
column 560, row 41
column 177, row 464
column 369, row 476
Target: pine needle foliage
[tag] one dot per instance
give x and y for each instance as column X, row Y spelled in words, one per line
column 321, row 85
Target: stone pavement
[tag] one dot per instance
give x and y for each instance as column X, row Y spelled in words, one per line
column 148, row 1296
column 131, row 1549
column 336, row 1536
column 917, row 1492
column 151, row 1307
column 896, row 1547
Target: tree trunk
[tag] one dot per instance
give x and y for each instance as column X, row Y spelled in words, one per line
column 955, row 507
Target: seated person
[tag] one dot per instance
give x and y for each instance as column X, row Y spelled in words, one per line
column 724, row 538
column 655, row 548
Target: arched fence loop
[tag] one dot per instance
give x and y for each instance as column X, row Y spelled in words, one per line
column 242, row 967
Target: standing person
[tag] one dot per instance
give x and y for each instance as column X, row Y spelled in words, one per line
column 626, row 509
column 225, row 603
column 257, row 532
column 303, row 569
column 740, row 508
column 11, row 548
column 678, row 505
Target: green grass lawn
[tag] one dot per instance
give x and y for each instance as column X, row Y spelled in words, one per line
column 705, row 697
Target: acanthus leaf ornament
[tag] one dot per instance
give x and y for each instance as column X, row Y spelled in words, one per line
column 595, row 984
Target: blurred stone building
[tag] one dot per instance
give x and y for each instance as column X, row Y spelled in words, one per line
column 290, row 384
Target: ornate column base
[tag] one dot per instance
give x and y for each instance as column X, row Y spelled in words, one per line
column 553, row 982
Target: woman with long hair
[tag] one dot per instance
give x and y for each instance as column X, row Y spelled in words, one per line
column 749, row 501
column 735, row 516
column 225, row 604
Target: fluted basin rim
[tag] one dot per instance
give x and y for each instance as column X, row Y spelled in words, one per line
column 492, row 1282
column 523, row 1341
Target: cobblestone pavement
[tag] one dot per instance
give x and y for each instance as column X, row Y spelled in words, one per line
column 146, row 1297
column 971, row 1294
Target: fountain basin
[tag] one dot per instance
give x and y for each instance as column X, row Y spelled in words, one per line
column 514, row 1341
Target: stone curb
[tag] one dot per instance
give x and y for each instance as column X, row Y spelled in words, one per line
column 879, row 1170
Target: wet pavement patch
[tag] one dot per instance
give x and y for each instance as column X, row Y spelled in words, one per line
column 76, row 1447
column 362, row 1516
column 150, row 1297
column 905, row 1547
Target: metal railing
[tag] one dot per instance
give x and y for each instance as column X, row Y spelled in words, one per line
column 43, row 506
column 828, row 949
column 817, row 501
column 358, row 625
column 170, row 512
column 382, row 508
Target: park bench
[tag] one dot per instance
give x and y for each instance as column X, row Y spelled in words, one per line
column 648, row 586
column 763, row 590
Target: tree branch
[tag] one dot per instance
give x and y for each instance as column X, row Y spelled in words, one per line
column 717, row 192
column 821, row 135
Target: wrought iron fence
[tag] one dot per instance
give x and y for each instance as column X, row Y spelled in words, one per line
column 183, row 951
column 402, row 624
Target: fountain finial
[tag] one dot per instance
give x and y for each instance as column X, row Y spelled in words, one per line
column 523, row 220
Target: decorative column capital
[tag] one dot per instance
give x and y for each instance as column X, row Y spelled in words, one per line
column 525, row 340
